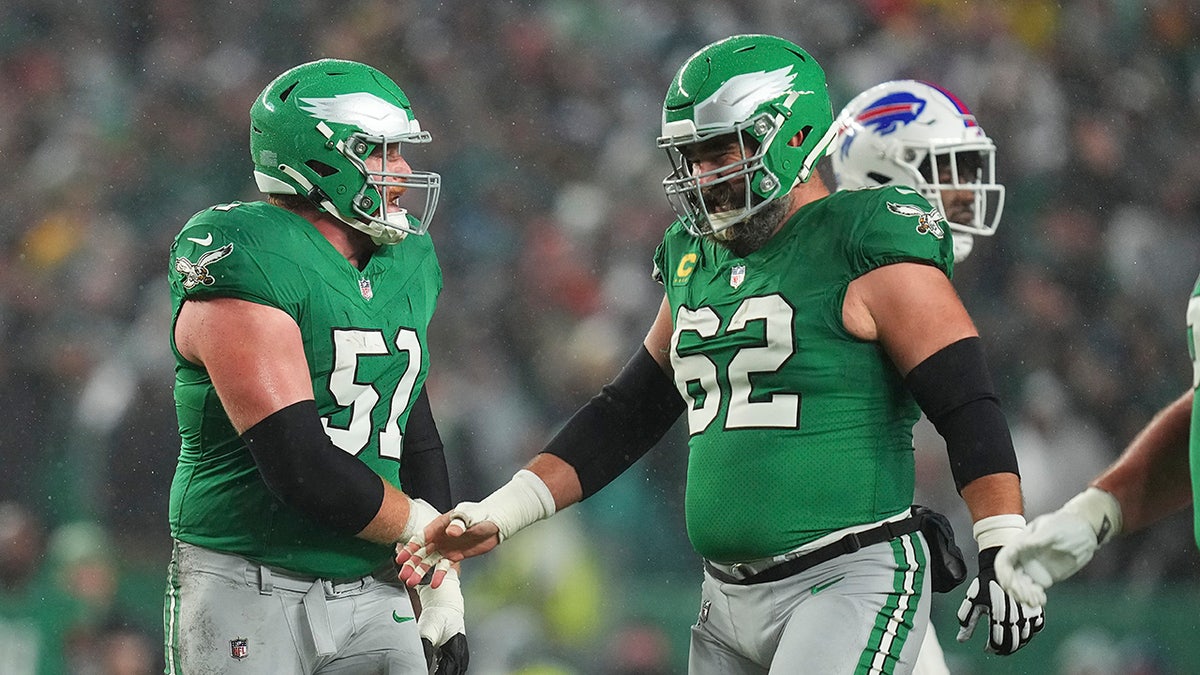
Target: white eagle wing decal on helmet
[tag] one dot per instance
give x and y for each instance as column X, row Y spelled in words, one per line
column 375, row 116
column 736, row 100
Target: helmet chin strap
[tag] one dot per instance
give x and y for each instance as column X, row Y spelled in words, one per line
column 963, row 243
column 818, row 151
column 379, row 234
column 721, row 222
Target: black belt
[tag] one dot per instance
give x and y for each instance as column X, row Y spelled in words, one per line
column 847, row 544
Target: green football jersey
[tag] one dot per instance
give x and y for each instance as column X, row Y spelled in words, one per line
column 364, row 336
column 797, row 428
column 1193, row 335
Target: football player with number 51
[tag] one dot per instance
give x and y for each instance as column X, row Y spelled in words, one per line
column 301, row 353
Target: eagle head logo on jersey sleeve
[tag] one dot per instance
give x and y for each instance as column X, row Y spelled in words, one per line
column 196, row 273
column 927, row 221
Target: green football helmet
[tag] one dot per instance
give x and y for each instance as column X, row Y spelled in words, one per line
column 311, row 130
column 762, row 90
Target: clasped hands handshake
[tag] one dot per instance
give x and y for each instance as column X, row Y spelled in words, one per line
column 460, row 533
column 436, row 541
column 441, row 621
column 1031, row 559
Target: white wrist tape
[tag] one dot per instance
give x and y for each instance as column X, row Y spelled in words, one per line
column 420, row 514
column 521, row 502
column 997, row 530
column 1100, row 509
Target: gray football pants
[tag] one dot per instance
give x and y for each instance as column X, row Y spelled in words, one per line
column 862, row 612
column 226, row 614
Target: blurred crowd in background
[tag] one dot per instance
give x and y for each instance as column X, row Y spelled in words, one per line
column 120, row 119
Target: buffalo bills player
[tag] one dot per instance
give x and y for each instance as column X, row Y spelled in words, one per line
column 802, row 332
column 906, row 132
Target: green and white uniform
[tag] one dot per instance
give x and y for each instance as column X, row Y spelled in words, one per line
column 364, row 335
column 798, row 429
column 1193, row 334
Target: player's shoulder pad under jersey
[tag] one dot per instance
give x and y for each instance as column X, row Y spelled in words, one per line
column 894, row 224
column 234, row 250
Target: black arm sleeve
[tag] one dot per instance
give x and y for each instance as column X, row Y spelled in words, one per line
column 620, row 424
column 303, row 468
column 955, row 390
column 423, row 472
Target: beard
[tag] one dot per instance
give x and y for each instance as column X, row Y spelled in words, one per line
column 751, row 234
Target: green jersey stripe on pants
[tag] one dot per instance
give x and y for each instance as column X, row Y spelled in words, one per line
column 1193, row 335
column 899, row 613
column 876, row 597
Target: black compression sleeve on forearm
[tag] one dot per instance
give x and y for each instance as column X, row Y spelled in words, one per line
column 423, row 472
column 613, row 430
column 307, row 472
column 955, row 390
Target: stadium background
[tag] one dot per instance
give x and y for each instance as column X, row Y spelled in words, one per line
column 120, row 119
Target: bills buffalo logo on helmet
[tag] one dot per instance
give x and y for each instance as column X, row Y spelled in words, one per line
column 927, row 221
column 891, row 112
column 196, row 273
column 888, row 114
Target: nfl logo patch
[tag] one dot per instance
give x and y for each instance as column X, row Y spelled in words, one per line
column 364, row 287
column 239, row 648
column 737, row 275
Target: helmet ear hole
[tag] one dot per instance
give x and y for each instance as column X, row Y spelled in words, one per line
column 879, row 178
column 320, row 168
column 798, row 140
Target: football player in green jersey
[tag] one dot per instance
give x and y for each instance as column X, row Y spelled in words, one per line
column 801, row 332
column 906, row 132
column 1157, row 475
column 308, row 444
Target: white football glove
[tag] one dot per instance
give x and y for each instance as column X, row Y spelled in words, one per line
column 517, row 504
column 1057, row 545
column 1012, row 623
column 443, row 631
column 420, row 514
column 521, row 502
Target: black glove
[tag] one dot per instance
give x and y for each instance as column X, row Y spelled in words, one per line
column 1012, row 624
column 451, row 658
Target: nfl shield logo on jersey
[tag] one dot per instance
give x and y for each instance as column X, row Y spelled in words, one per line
column 364, row 287
column 737, row 275
column 239, row 648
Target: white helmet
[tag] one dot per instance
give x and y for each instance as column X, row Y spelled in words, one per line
column 914, row 133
